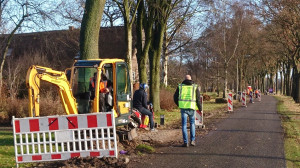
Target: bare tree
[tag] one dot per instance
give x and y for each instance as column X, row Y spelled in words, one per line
column 179, row 17
column 283, row 22
column 129, row 10
column 112, row 13
column 227, row 25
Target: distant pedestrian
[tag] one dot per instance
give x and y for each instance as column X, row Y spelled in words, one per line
column 187, row 98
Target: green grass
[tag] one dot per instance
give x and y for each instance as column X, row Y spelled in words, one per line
column 7, row 153
column 175, row 115
column 290, row 120
column 145, row 148
column 209, row 106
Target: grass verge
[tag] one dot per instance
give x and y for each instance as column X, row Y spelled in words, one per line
column 290, row 119
column 7, row 154
column 171, row 117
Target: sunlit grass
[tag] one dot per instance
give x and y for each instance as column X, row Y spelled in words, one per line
column 173, row 116
column 7, row 154
column 290, row 119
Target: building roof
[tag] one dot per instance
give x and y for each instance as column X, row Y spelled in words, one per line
column 62, row 46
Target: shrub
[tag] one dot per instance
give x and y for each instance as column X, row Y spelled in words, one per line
column 206, row 97
column 221, row 100
column 17, row 108
column 166, row 99
column 51, row 105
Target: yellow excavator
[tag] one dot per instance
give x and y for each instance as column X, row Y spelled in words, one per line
column 74, row 87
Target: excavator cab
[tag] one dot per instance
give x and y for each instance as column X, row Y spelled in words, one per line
column 74, row 87
column 85, row 82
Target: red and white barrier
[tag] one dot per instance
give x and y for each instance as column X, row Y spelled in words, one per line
column 55, row 138
column 251, row 97
column 229, row 102
column 244, row 99
column 259, row 95
column 199, row 115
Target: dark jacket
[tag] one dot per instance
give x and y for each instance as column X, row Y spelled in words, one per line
column 188, row 82
column 140, row 99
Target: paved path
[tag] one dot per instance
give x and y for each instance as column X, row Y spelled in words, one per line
column 250, row 137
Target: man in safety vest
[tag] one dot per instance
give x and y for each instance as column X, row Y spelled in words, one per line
column 187, row 98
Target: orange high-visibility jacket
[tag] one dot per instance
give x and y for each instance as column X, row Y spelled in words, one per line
column 102, row 87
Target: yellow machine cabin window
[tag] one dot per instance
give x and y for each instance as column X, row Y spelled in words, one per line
column 81, row 88
column 123, row 88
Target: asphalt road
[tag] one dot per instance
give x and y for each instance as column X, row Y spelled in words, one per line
column 250, row 137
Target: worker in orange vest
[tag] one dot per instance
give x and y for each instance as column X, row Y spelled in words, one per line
column 103, row 83
column 256, row 93
column 105, row 86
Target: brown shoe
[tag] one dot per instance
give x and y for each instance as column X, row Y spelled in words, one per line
column 193, row 143
column 185, row 145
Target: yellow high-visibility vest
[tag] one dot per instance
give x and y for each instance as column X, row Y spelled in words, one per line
column 187, row 96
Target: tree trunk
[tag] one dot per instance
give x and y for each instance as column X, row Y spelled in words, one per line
column 218, row 84
column 154, row 57
column 90, row 27
column 276, row 83
column 281, row 82
column 288, row 87
column 263, row 83
column 240, row 78
column 272, row 81
column 258, row 82
column 165, row 59
column 143, row 23
column 128, row 42
column 225, row 79
column 295, row 85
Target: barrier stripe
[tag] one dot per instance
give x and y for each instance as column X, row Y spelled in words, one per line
column 37, row 157
column 75, row 155
column 53, row 123
column 229, row 104
column 108, row 119
column 244, row 99
column 92, row 121
column 17, row 126
column 73, row 123
column 95, row 154
column 56, row 156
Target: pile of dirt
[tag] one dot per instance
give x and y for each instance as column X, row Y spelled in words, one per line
column 91, row 162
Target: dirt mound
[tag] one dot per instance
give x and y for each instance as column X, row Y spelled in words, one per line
column 90, row 162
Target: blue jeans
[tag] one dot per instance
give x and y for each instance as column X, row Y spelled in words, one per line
column 148, row 113
column 184, row 114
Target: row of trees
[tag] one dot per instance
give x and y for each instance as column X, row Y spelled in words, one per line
column 220, row 43
column 154, row 34
column 249, row 44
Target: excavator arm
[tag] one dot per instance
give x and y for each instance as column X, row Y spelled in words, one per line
column 57, row 78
